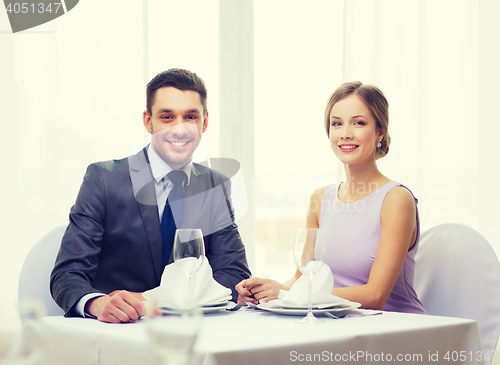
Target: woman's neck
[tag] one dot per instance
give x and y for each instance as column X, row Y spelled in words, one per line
column 361, row 181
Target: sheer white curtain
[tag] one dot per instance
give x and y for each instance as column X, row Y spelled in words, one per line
column 437, row 62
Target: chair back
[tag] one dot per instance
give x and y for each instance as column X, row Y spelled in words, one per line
column 35, row 273
column 457, row 274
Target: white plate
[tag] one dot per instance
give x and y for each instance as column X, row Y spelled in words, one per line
column 346, row 304
column 332, row 302
column 217, row 304
column 205, row 309
column 302, row 312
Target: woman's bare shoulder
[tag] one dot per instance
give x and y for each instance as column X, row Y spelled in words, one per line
column 398, row 199
column 317, row 194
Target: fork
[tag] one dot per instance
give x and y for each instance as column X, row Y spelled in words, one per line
column 331, row 315
column 234, row 308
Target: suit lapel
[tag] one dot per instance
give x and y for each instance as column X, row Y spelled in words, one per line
column 144, row 191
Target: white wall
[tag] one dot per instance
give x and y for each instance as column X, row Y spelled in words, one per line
column 71, row 93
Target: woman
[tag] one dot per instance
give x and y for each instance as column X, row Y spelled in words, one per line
column 370, row 223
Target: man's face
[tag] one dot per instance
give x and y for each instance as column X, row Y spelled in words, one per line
column 176, row 123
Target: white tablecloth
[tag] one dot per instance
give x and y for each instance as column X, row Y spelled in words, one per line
column 254, row 337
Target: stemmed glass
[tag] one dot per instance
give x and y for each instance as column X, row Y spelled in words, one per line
column 172, row 337
column 309, row 254
column 31, row 351
column 189, row 252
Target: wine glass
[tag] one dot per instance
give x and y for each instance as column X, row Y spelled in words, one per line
column 172, row 337
column 189, row 252
column 309, row 254
column 30, row 350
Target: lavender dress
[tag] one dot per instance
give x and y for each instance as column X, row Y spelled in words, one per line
column 352, row 236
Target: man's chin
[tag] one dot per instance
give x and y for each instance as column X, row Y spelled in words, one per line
column 177, row 163
column 175, row 159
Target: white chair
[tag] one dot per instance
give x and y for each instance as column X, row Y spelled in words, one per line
column 35, row 273
column 457, row 274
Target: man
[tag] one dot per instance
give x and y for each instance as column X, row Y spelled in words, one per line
column 121, row 227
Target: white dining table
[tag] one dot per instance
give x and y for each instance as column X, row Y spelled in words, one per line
column 256, row 337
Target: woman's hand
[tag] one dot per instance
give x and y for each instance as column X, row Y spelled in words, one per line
column 259, row 290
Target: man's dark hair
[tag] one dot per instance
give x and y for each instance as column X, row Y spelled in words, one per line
column 181, row 80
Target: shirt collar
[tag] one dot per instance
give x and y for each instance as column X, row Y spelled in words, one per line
column 160, row 168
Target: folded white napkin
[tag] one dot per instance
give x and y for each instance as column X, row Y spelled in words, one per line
column 173, row 289
column 322, row 285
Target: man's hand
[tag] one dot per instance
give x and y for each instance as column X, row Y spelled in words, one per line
column 244, row 295
column 118, row 306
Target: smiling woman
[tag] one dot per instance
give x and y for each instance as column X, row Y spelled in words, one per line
column 370, row 223
column 353, row 135
column 373, row 110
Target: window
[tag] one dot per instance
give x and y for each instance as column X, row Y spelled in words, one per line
column 298, row 64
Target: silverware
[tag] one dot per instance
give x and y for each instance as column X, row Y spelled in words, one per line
column 253, row 306
column 331, row 315
column 234, row 308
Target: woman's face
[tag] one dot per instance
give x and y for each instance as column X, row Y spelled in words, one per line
column 353, row 131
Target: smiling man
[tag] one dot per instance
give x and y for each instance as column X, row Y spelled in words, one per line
column 122, row 226
column 176, row 121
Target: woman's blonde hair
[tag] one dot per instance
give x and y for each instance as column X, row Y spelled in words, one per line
column 374, row 100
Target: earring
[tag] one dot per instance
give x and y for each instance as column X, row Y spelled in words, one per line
column 379, row 144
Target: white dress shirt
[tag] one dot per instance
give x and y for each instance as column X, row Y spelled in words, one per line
column 163, row 185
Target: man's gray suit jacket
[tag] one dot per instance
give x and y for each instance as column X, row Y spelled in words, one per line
column 114, row 240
